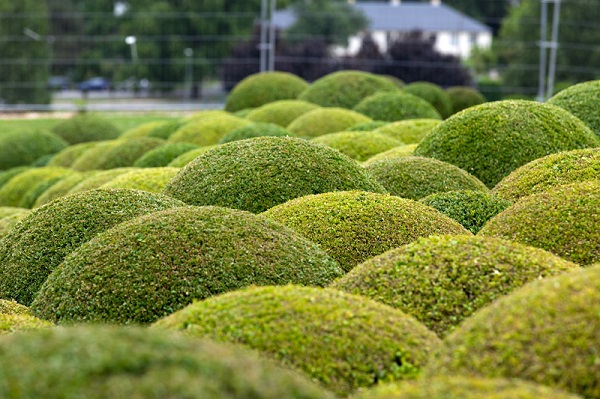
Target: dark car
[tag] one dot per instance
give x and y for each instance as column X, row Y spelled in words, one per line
column 96, row 83
column 59, row 83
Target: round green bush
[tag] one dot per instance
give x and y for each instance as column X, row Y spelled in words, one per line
column 189, row 156
column 472, row 209
column 165, row 130
column 463, row 97
column 14, row 191
column 433, row 94
column 582, row 101
column 546, row 332
column 42, row 161
column 143, row 129
column 442, row 280
column 10, row 323
column 24, row 147
column 355, row 226
column 345, row 89
column 10, row 210
column 242, row 113
column 62, row 187
column 31, row 196
column 410, row 131
column 254, row 130
column 97, row 362
column 8, row 174
column 563, row 220
column 90, row 157
column 358, row 145
column 493, row 139
column 83, row 128
column 149, row 267
column 38, row 244
column 8, row 222
column 125, row 153
column 95, row 179
column 341, row 340
column 325, row 120
column 205, row 114
column 262, row 88
column 417, row 177
column 550, row 171
column 146, row 179
column 281, row 112
column 366, row 126
column 259, row 173
column 207, row 131
column 67, row 156
column 400, row 151
column 395, row 107
column 12, row 307
column 163, row 155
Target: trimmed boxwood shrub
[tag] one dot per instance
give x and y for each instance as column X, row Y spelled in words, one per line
column 341, row 340
column 146, row 179
column 400, row 151
column 83, row 128
column 30, row 197
column 493, row 139
column 8, row 222
column 62, row 187
column 92, row 156
column 550, row 171
column 433, row 94
column 149, row 267
column 38, row 244
column 262, row 88
column 563, row 221
column 143, row 129
column 345, row 89
column 8, row 174
column 189, row 156
column 417, row 177
column 254, row 130
column 325, row 120
column 10, row 210
column 96, row 179
column 442, row 280
column 163, row 155
column 67, row 156
column 207, row 131
column 463, row 97
column 358, row 145
column 12, row 307
column 355, row 226
column 242, row 113
column 259, row 173
column 98, row 362
column 410, row 131
column 395, row 107
column 13, row 192
column 582, row 101
column 472, row 209
column 10, row 323
column 281, row 112
column 546, row 332
column 165, row 131
column 126, row 152
column 24, row 147
column 366, row 126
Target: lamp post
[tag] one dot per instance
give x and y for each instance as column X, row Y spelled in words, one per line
column 131, row 40
column 189, row 72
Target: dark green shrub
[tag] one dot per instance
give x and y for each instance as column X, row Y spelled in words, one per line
column 254, row 130
column 262, row 88
column 96, row 179
column 366, row 126
column 257, row 174
column 12, row 307
column 281, row 112
column 165, row 130
column 31, row 196
column 395, row 107
column 24, row 147
column 119, row 154
column 151, row 266
column 83, row 128
column 207, row 131
column 463, row 97
column 355, row 226
column 341, row 340
column 14, row 191
column 582, row 101
column 10, row 323
column 42, row 161
column 89, row 158
column 63, row 187
column 67, row 156
column 189, row 156
column 493, row 139
column 8, row 222
column 410, row 131
column 38, row 244
column 242, row 113
column 146, row 179
column 163, row 155
column 442, row 280
column 358, row 145
column 325, row 120
column 433, row 94
column 143, row 129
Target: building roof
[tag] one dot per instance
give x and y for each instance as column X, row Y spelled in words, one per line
column 406, row 16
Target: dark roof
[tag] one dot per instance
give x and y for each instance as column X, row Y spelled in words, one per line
column 405, row 17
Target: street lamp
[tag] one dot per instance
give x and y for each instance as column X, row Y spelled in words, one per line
column 188, row 52
column 131, row 40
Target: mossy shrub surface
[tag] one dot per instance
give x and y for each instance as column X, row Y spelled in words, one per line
column 142, row 130
column 442, row 280
column 463, row 97
column 30, row 197
column 341, row 340
column 396, row 106
column 321, row 121
column 207, row 131
column 581, row 100
column 8, row 174
column 410, row 131
column 355, row 226
column 189, row 156
column 550, row 171
column 166, row 129
column 62, row 187
column 92, row 156
column 68, row 155
column 563, row 220
column 12, row 307
column 96, row 178
column 281, row 112
column 255, row 130
column 358, row 145
column 10, row 210
column 126, row 152
column 266, row 171
column 400, row 151
column 433, row 94
column 14, row 191
column 367, row 126
column 146, row 179
column 543, row 332
column 38, row 244
column 493, row 139
column 345, row 89
column 163, row 155
column 11, row 323
column 262, row 88
column 24, row 147
column 8, row 222
column 82, row 128
column 114, row 362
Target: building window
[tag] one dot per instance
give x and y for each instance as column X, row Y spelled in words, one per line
column 454, row 39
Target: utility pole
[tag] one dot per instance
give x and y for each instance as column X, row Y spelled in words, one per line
column 547, row 72
column 272, row 36
column 267, row 35
column 262, row 46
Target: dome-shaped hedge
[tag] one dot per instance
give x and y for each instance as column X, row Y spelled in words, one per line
column 98, row 362
column 343, row 341
column 418, row 177
column 395, row 107
column 345, row 89
column 142, row 130
column 83, row 128
column 12, row 307
column 207, row 131
column 10, row 210
column 582, row 101
column 94, row 179
column 151, row 266
column 254, row 130
column 8, row 174
column 493, row 139
column 410, row 131
column 89, row 157
column 146, row 179
column 463, row 97
column 358, row 145
column 547, row 331
column 433, row 94
column 442, row 280
column 163, row 155
column 189, row 156
column 165, row 130
column 68, row 155
column 13, row 193
column 281, row 112
column 31, row 250
column 116, row 154
column 550, row 171
column 325, row 120
column 400, row 151
column 10, row 323
column 355, row 226
column 8, row 222
column 563, row 221
column 24, row 147
column 62, row 187
column 367, row 126
column 259, row 173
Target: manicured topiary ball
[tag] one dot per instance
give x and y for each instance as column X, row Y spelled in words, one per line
column 189, row 156
column 341, row 340
column 12, row 307
column 546, row 332
column 418, row 177
column 433, row 94
column 114, row 362
column 321, row 121
column 400, row 151
column 82, row 128
column 142, row 130
column 207, row 131
column 395, row 107
column 254, row 130
column 146, row 179
column 493, row 139
column 13, row 193
column 257, row 174
column 96, row 178
column 8, row 222
column 68, row 155
column 163, row 155
column 358, row 145
column 23, row 148
column 263, row 88
column 32, row 249
column 10, row 323
column 442, row 280
column 8, row 174
column 366, row 126
column 116, row 154
column 463, row 97
column 87, row 158
column 581, row 100
column 550, row 171
column 62, row 187
column 165, row 130
column 345, row 89
column 563, row 220
column 410, row 131
column 281, row 112
column 355, row 226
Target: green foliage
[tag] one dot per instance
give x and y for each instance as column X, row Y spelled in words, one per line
column 341, row 340
column 8, row 174
column 325, row 120
column 31, row 250
column 144, row 129
column 10, row 323
column 163, row 155
column 263, row 88
column 355, row 226
column 262, row 172
column 493, row 139
column 62, row 187
column 189, row 156
column 147, row 179
column 10, row 210
column 433, row 94
column 83, row 128
column 417, row 177
column 395, row 107
column 401, row 151
column 254, row 130
column 281, row 112
column 463, row 97
column 24, row 147
column 582, row 101
column 8, row 222
column 358, row 145
column 97, row 178
column 90, row 157
column 442, row 280
column 366, row 126
column 410, row 131
column 12, row 307
column 116, row 154
column 14, row 192
column 149, row 267
column 68, row 155
column 563, row 220
column 207, row 131
column 165, row 130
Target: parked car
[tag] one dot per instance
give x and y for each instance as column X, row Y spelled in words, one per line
column 97, row 83
column 59, row 83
